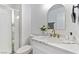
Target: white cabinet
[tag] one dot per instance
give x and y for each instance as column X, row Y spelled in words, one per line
column 43, row 48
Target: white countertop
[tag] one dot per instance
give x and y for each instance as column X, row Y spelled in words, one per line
column 74, row 48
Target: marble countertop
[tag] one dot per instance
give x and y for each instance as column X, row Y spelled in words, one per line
column 74, row 48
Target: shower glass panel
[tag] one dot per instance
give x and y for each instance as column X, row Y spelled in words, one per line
column 5, row 29
column 16, row 29
column 9, row 28
column 16, row 18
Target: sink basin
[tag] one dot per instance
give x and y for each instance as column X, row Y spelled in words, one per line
column 56, row 40
column 68, row 42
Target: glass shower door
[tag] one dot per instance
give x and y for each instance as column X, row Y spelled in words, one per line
column 5, row 29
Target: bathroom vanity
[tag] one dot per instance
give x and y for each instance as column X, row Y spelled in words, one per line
column 47, row 45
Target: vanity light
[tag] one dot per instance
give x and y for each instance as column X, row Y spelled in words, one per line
column 17, row 17
column 74, row 14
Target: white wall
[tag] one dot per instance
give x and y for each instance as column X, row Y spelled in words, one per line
column 70, row 26
column 33, row 17
column 26, row 23
column 38, row 18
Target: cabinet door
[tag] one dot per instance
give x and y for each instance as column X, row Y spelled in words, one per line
column 41, row 48
column 36, row 50
column 5, row 29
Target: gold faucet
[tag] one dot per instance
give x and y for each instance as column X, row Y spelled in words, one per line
column 54, row 34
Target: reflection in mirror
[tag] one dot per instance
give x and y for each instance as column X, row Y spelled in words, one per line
column 56, row 17
column 51, row 25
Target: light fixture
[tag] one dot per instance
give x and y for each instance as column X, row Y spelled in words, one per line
column 74, row 14
column 17, row 17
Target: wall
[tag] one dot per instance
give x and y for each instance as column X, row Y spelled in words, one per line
column 38, row 18
column 70, row 26
column 33, row 17
column 26, row 24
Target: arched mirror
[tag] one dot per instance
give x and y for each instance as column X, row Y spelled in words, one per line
column 56, row 17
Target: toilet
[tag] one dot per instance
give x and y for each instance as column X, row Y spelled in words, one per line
column 24, row 50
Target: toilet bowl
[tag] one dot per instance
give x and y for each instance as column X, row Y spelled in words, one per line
column 24, row 50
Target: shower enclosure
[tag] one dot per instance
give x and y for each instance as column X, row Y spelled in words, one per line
column 10, row 19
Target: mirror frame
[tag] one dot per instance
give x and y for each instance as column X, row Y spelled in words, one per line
column 64, row 12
